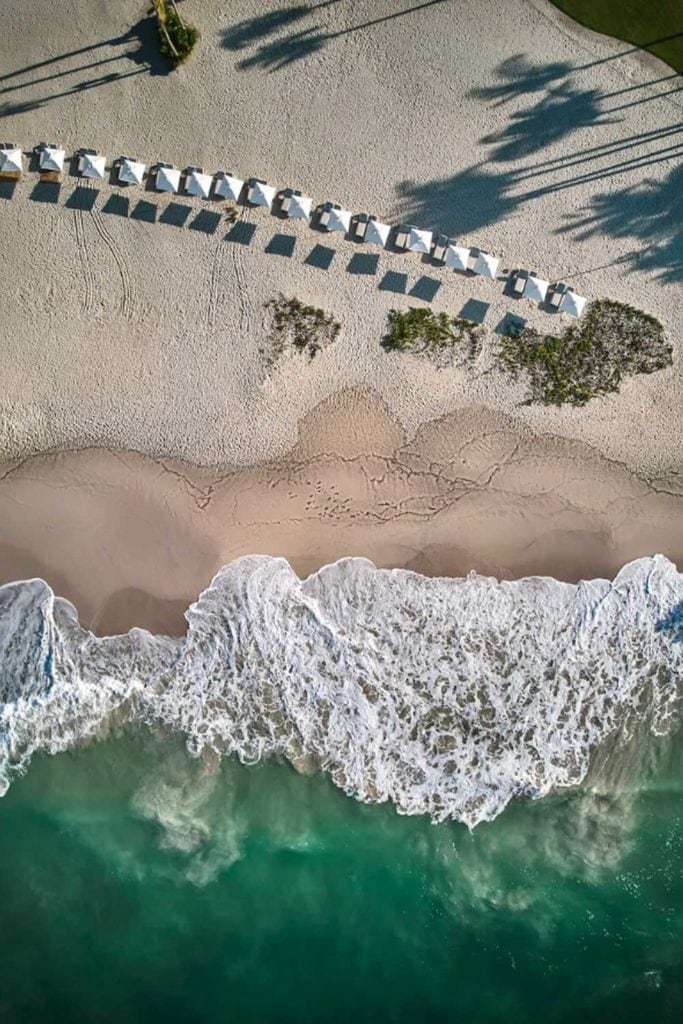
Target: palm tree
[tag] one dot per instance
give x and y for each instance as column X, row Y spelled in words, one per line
column 160, row 8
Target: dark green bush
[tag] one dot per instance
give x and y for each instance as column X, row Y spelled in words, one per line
column 590, row 358
column 437, row 335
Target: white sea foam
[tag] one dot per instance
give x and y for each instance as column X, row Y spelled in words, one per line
column 448, row 697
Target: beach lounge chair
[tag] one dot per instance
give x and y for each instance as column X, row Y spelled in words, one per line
column 558, row 291
column 535, row 288
column 197, row 183
column 129, row 171
column 51, row 160
column 259, row 193
column 441, row 243
column 486, row 265
column 457, row 257
column 335, row 218
column 519, row 281
column 402, row 235
column 572, row 303
column 369, row 229
column 228, row 186
column 11, row 161
column 166, row 178
column 296, row 205
column 410, row 237
column 91, row 164
column 360, row 223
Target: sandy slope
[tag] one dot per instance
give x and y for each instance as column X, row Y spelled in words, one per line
column 517, row 131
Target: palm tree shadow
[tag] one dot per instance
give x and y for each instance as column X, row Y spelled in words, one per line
column 519, row 77
column 652, row 212
column 244, row 33
column 278, row 54
column 462, row 204
column 558, row 114
column 139, row 46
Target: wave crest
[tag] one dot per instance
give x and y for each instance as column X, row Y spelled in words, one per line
column 446, row 696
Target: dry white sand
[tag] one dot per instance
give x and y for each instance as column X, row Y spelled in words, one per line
column 520, row 132
column 131, row 540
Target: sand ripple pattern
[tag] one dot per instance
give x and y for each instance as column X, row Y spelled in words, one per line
column 447, row 697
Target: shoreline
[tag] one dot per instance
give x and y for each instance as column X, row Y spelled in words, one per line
column 131, row 541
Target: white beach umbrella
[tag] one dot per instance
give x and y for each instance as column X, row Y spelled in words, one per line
column 228, row 186
column 377, row 233
column 457, row 257
column 11, row 161
column 536, row 289
column 299, row 206
column 338, row 220
column 261, row 194
column 572, row 303
column 92, row 165
column 131, row 171
column 168, row 179
column 198, row 184
column 52, row 159
column 419, row 241
column 486, row 265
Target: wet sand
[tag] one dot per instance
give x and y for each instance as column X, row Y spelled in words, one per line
column 131, row 540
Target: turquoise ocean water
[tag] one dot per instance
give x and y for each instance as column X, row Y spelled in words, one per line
column 138, row 884
column 206, row 828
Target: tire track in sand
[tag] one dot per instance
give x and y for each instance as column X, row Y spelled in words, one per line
column 237, row 257
column 127, row 306
column 88, row 303
column 214, row 282
column 50, row 248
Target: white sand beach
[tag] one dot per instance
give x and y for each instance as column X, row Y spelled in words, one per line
column 133, row 322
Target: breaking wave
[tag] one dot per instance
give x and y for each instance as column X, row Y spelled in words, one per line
column 446, row 696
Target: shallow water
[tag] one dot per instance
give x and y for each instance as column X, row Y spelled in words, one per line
column 449, row 697
column 138, row 884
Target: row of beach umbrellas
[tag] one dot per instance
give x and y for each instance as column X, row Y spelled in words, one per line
column 330, row 216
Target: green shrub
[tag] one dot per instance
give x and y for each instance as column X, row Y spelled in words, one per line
column 307, row 328
column 590, row 358
column 436, row 335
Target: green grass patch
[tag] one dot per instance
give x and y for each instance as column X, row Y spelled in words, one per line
column 290, row 323
column 591, row 358
column 435, row 335
column 654, row 25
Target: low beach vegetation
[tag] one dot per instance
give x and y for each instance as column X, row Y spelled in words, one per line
column 656, row 27
column 611, row 341
column 292, row 324
column 436, row 335
column 177, row 39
